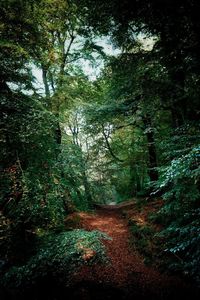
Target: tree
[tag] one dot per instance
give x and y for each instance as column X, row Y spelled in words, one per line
column 160, row 90
column 28, row 152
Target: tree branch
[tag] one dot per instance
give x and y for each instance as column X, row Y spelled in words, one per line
column 109, row 147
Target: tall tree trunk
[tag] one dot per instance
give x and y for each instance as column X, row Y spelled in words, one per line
column 135, row 184
column 45, row 81
column 58, row 134
column 87, row 189
column 152, row 168
column 179, row 109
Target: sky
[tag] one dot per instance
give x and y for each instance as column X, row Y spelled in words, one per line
column 89, row 70
column 93, row 71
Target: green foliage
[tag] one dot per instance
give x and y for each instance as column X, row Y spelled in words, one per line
column 19, row 36
column 28, row 154
column 133, row 128
column 181, row 212
column 29, row 196
column 57, row 256
column 74, row 167
column 143, row 238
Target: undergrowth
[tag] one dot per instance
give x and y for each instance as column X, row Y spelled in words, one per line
column 56, row 256
column 144, row 240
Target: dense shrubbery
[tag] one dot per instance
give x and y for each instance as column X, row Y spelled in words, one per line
column 181, row 213
column 29, row 172
column 56, row 255
column 144, row 240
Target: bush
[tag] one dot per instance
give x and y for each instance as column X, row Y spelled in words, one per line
column 57, row 256
column 181, row 213
column 144, row 239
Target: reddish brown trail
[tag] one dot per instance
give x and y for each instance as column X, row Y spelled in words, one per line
column 125, row 276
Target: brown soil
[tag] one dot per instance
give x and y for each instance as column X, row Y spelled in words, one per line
column 125, row 275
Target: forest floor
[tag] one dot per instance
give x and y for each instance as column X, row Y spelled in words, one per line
column 125, row 276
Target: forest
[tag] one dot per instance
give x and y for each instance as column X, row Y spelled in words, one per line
column 99, row 149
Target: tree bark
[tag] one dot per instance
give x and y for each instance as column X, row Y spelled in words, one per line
column 45, row 81
column 153, row 173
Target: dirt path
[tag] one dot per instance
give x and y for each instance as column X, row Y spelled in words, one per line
column 126, row 276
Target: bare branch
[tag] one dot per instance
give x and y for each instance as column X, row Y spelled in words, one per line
column 109, row 147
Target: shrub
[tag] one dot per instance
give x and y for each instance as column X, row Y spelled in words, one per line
column 57, row 256
column 181, row 212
